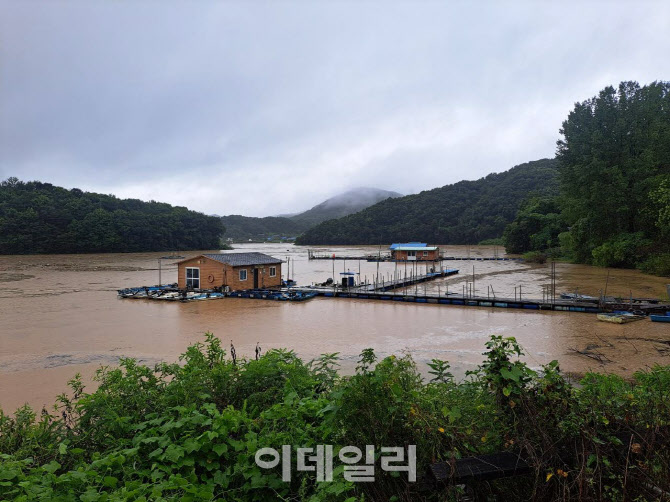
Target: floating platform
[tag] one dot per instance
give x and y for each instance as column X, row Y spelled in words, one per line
column 459, row 300
column 382, row 259
column 386, row 257
column 403, row 282
column 385, row 291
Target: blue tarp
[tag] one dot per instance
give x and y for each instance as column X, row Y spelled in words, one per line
column 409, row 244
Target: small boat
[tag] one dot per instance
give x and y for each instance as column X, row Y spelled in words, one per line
column 145, row 291
column 619, row 318
column 171, row 296
column 301, row 296
column 578, row 297
column 660, row 317
column 294, row 296
column 205, row 296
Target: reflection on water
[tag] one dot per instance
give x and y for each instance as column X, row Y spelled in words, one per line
column 60, row 315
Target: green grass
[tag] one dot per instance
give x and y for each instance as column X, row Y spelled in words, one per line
column 497, row 241
column 190, row 431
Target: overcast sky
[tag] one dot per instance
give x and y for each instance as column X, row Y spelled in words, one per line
column 262, row 108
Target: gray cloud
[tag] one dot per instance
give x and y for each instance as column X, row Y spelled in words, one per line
column 261, row 108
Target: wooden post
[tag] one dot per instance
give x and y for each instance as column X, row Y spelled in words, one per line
column 473, row 281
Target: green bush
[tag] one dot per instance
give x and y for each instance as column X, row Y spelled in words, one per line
column 497, row 241
column 190, row 431
column 657, row 265
column 621, row 251
column 535, row 257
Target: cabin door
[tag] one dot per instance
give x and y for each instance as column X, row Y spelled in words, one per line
column 411, row 255
column 255, row 278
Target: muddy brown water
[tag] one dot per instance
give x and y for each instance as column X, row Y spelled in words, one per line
column 59, row 315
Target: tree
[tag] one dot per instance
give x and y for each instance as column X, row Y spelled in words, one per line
column 41, row 218
column 614, row 167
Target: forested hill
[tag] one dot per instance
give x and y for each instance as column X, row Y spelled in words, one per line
column 466, row 212
column 41, row 218
column 248, row 227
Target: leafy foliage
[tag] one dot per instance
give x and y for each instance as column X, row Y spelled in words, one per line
column 536, row 226
column 41, row 218
column 463, row 213
column 614, row 165
column 190, row 431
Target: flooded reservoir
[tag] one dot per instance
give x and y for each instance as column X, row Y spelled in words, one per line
column 59, row 315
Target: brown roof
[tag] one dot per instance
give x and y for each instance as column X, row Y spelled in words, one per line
column 239, row 259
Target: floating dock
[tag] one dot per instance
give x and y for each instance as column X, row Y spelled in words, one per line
column 455, row 299
column 387, row 258
column 385, row 290
column 403, row 282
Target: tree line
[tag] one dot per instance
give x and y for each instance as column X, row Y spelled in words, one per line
column 38, row 217
column 247, row 227
column 613, row 208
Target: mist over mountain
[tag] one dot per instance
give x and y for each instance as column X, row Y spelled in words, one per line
column 346, row 203
column 462, row 213
column 286, row 226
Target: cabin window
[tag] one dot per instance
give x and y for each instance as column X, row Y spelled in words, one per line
column 192, row 278
column 243, row 274
column 425, row 253
column 273, row 271
column 411, row 253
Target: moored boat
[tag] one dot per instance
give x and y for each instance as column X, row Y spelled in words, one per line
column 660, row 317
column 619, row 318
column 578, row 297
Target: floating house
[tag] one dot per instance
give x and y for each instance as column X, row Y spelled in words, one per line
column 232, row 271
column 414, row 251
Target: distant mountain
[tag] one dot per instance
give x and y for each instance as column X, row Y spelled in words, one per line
column 246, row 227
column 466, row 212
column 343, row 204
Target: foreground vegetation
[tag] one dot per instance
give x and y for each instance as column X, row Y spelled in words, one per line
column 41, row 218
column 190, row 431
column 613, row 209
